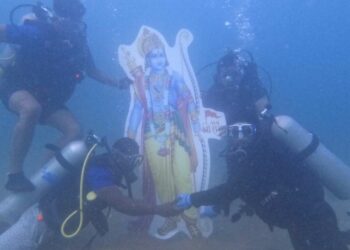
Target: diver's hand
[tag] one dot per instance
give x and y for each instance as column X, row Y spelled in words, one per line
column 167, row 209
column 183, row 201
column 124, row 83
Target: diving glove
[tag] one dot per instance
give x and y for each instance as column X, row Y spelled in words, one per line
column 183, row 201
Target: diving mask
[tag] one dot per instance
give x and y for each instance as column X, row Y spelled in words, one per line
column 238, row 131
column 127, row 163
column 242, row 136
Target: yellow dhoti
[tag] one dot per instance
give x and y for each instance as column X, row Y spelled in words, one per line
column 171, row 170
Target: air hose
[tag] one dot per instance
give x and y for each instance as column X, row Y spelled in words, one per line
column 80, row 210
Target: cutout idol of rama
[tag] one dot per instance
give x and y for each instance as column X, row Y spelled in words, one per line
column 165, row 118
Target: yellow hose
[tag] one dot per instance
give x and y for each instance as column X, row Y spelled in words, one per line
column 81, row 201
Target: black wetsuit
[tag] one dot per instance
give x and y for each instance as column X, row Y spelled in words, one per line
column 50, row 60
column 235, row 102
column 273, row 182
column 283, row 192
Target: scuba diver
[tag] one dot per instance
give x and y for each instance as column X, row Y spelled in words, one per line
column 51, row 57
column 276, row 167
column 237, row 87
column 105, row 177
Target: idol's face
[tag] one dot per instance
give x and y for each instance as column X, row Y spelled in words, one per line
column 157, row 59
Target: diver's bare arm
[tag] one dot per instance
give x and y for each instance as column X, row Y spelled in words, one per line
column 2, row 33
column 98, row 75
column 102, row 77
column 115, row 198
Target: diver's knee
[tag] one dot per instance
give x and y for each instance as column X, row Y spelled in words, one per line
column 73, row 132
column 30, row 113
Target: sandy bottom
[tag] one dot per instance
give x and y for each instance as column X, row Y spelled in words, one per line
column 247, row 234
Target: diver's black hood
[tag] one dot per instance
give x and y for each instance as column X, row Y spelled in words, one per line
column 237, row 100
column 236, row 104
column 73, row 9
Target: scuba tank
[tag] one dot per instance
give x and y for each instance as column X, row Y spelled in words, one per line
column 333, row 172
column 66, row 160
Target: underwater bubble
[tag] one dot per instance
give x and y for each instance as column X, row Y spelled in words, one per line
column 227, row 4
column 228, row 24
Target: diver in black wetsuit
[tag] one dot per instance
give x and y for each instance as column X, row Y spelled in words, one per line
column 276, row 181
column 51, row 58
column 237, row 90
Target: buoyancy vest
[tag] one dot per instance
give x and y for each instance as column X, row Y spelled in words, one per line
column 51, row 53
column 64, row 199
column 276, row 183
